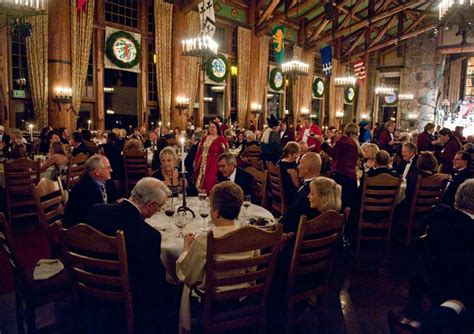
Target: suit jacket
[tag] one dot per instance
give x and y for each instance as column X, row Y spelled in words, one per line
column 112, row 152
column 81, row 148
column 82, row 197
column 446, row 156
column 288, row 135
column 384, row 141
column 423, row 142
column 242, row 178
column 412, row 171
column 146, row 272
column 458, row 177
column 381, row 170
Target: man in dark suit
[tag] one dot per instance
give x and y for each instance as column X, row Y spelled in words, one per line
column 146, row 272
column 63, row 135
column 408, row 168
column 382, row 161
column 112, row 152
column 91, row 189
column 286, row 133
column 228, row 171
column 461, row 164
column 308, row 169
column 4, row 140
column 78, row 146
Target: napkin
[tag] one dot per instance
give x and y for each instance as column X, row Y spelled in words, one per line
column 47, row 268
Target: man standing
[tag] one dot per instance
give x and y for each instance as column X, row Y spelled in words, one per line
column 91, row 189
column 461, row 165
column 308, row 133
column 228, row 171
column 146, row 272
column 286, row 133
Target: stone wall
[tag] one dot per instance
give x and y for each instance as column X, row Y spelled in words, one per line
column 418, row 77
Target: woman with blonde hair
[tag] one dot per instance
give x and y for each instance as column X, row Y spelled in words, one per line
column 369, row 150
column 325, row 194
column 133, row 143
column 168, row 172
column 58, row 160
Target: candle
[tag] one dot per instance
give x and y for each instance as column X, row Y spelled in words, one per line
column 31, row 132
column 89, row 124
column 181, row 139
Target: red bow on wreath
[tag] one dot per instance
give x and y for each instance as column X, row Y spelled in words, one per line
column 81, row 5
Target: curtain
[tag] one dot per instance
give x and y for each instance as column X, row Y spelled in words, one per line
column 454, row 83
column 244, row 39
column 37, row 56
column 191, row 64
column 262, row 71
column 81, row 40
column 163, row 49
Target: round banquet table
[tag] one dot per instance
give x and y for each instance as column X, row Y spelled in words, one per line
column 172, row 246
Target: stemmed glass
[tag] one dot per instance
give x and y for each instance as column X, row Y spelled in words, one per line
column 247, row 202
column 169, row 209
column 180, row 222
column 204, row 213
column 202, row 195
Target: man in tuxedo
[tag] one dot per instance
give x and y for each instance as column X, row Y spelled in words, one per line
column 382, row 165
column 78, row 146
column 113, row 153
column 228, row 171
column 4, row 140
column 408, row 168
column 461, row 172
column 308, row 169
column 286, row 133
column 91, row 189
column 146, row 272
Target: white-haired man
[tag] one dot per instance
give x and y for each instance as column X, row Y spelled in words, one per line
column 146, row 272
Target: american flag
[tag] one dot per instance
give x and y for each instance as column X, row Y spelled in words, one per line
column 359, row 69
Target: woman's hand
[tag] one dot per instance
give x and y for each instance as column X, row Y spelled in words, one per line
column 188, row 240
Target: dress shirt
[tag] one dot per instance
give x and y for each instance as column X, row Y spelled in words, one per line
column 306, row 181
column 102, row 188
column 231, row 177
column 407, row 168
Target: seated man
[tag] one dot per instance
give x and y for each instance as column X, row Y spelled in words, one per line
column 91, row 189
column 461, row 172
column 225, row 201
column 228, row 171
column 382, row 165
column 146, row 272
column 78, row 146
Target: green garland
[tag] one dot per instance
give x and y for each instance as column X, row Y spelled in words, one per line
column 315, row 88
column 271, row 79
column 347, row 99
column 211, row 74
column 109, row 49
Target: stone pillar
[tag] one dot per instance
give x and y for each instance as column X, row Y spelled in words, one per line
column 418, row 77
column 59, row 61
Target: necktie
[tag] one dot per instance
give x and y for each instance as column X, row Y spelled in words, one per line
column 104, row 193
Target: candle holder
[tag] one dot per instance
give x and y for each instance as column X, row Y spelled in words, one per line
column 182, row 103
column 184, row 208
column 63, row 98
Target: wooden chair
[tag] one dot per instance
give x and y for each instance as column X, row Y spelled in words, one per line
column 76, row 169
column 87, row 252
column 275, row 187
column 428, row 193
column 253, row 276
column 136, row 167
column 311, row 263
column 254, row 151
column 50, row 201
column 472, row 164
column 377, row 206
column 259, row 188
column 19, row 176
column 256, row 163
column 29, row 294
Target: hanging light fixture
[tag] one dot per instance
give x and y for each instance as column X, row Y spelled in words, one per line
column 384, row 90
column 347, row 80
column 22, row 8
column 201, row 46
column 445, row 6
column 295, row 67
column 406, row 97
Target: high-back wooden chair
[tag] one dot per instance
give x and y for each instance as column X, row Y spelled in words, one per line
column 136, row 167
column 259, row 188
column 254, row 151
column 87, row 252
column 239, row 264
column 256, row 163
column 20, row 174
column 428, row 193
column 275, row 188
column 377, row 206
column 29, row 294
column 76, row 169
column 50, row 201
column 311, row 263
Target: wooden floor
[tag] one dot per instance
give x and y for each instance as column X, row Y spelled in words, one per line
column 369, row 288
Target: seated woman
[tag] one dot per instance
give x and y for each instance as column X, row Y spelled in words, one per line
column 324, row 195
column 369, row 150
column 132, row 143
column 168, row 172
column 58, row 160
column 18, row 151
column 225, row 201
column 288, row 170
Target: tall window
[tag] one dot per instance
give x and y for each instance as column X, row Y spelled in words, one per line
column 89, row 86
column 271, row 53
column 152, row 88
column 19, row 63
column 234, row 41
column 151, row 17
column 220, row 38
column 469, row 89
column 123, row 12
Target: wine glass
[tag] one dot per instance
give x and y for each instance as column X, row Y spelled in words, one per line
column 202, row 195
column 247, row 202
column 204, row 213
column 169, row 209
column 180, row 221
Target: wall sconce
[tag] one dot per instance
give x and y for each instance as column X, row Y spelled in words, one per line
column 109, row 89
column 365, row 116
column 110, row 112
column 255, row 108
column 413, row 115
column 287, row 112
column 339, row 114
column 63, row 98
column 234, row 71
column 182, row 103
column 304, row 111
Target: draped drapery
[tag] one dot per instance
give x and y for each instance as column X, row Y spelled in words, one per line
column 191, row 64
column 81, row 40
column 261, row 78
column 163, row 49
column 37, row 56
column 244, row 39
column 454, row 82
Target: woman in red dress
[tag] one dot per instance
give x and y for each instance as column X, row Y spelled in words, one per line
column 205, row 163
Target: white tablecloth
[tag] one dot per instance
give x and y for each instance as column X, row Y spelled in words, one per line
column 172, row 246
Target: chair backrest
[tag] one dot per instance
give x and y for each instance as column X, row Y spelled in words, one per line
column 428, row 193
column 275, row 187
column 256, row 163
column 259, row 189
column 379, row 196
column 50, row 201
column 136, row 167
column 253, row 151
column 98, row 265
column 240, row 264
column 313, row 254
column 472, row 164
column 76, row 169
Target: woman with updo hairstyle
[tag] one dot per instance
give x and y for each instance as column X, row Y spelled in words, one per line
column 325, row 194
column 132, row 143
column 168, row 172
column 288, row 170
column 369, row 150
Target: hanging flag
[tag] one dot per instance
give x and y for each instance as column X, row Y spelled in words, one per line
column 207, row 17
column 278, row 35
column 359, row 69
column 326, row 59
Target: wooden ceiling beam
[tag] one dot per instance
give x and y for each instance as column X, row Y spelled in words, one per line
column 357, row 41
column 350, row 14
column 316, row 32
column 383, row 31
column 268, row 11
column 189, row 6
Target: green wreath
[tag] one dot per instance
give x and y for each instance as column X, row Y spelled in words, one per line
column 273, row 75
column 349, row 95
column 318, row 83
column 211, row 66
column 109, row 49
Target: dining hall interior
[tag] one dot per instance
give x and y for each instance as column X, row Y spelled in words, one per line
column 201, row 166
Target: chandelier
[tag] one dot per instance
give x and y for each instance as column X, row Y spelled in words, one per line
column 446, row 5
column 347, row 80
column 22, row 8
column 384, row 90
column 295, row 67
column 202, row 46
column 406, row 97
